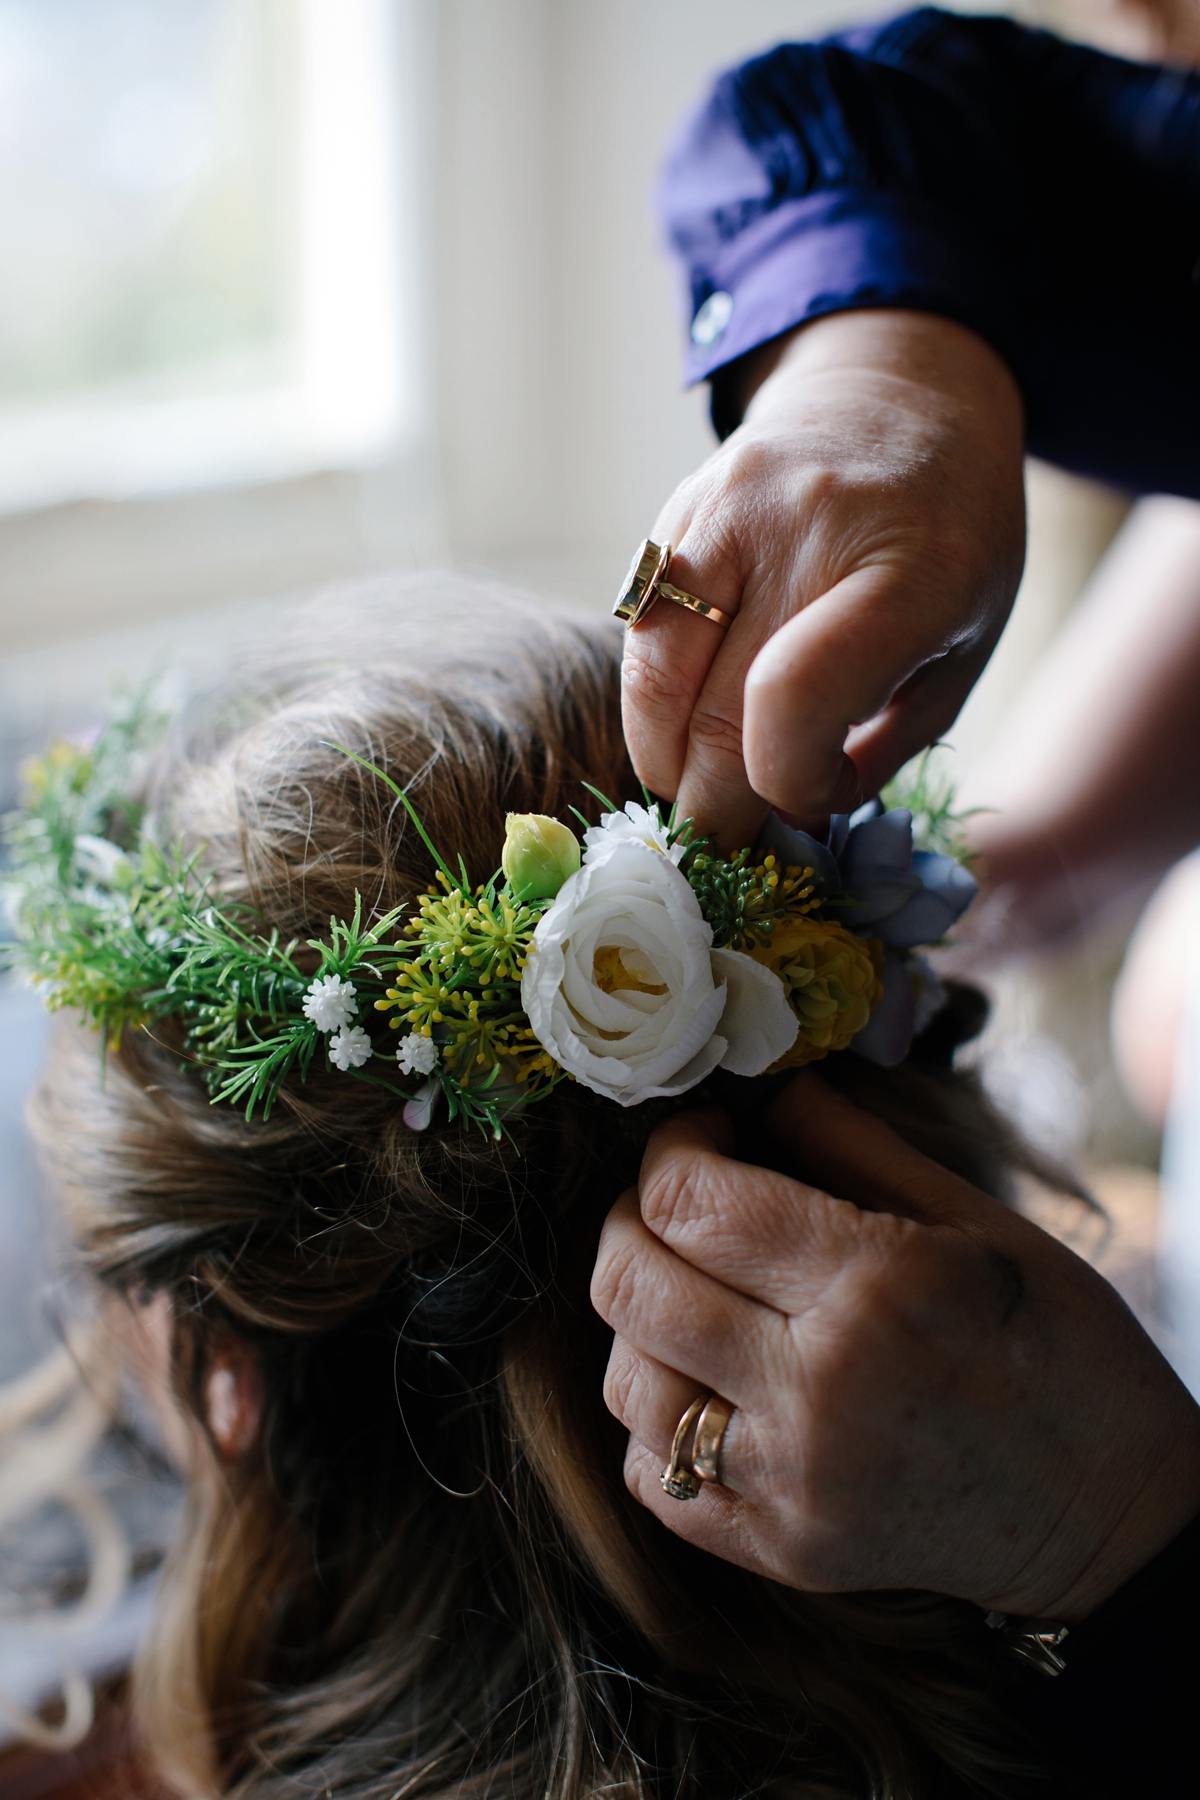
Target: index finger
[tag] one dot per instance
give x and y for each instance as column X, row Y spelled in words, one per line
column 860, row 1158
column 666, row 663
column 756, row 1231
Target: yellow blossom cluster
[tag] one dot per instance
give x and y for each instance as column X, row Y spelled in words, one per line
column 832, row 980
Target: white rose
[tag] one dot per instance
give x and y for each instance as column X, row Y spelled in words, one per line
column 623, row 988
column 637, row 824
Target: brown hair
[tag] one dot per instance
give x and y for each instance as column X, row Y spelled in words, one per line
column 428, row 1579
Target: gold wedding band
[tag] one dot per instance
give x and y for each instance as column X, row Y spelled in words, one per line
column 710, row 1415
column 645, row 584
column 710, row 1431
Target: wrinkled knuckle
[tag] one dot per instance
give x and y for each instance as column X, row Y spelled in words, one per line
column 716, row 736
column 666, row 1195
column 620, row 1378
column 920, row 1272
column 614, row 1281
column 821, row 487
column 653, row 686
column 751, row 460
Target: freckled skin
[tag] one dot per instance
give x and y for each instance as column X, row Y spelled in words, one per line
column 929, row 1391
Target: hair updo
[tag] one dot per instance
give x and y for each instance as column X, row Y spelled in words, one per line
column 426, row 1577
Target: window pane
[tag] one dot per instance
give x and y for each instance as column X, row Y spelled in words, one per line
column 147, row 161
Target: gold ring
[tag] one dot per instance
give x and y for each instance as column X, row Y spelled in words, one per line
column 645, row 584
column 711, row 1415
column 681, row 1483
column 710, row 1431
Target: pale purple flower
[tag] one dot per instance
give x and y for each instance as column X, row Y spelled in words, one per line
column 878, row 886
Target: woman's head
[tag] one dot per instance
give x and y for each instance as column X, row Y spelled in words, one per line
column 410, row 1562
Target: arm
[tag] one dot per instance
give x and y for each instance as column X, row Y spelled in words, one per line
column 1113, row 713
column 973, row 175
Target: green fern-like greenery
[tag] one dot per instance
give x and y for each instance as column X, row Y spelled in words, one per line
column 926, row 787
column 127, row 934
column 111, row 925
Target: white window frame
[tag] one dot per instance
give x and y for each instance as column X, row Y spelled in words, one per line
column 355, row 401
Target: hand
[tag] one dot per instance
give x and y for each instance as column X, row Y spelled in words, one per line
column 930, row 1392
column 866, row 525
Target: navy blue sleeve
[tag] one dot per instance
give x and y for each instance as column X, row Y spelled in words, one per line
column 1044, row 194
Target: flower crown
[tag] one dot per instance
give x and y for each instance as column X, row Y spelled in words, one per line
column 635, row 962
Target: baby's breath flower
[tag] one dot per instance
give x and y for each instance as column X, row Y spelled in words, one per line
column 330, row 1003
column 417, row 1055
column 350, row 1049
column 103, row 862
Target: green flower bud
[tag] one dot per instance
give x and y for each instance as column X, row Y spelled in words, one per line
column 539, row 855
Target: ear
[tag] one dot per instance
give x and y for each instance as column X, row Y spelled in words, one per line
column 233, row 1397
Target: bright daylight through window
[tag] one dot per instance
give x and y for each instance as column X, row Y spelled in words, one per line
column 198, row 243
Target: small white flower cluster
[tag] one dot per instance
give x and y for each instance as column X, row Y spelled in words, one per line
column 417, row 1055
column 102, row 862
column 350, row 1049
column 331, row 1003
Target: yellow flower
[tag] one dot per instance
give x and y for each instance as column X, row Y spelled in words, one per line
column 831, row 979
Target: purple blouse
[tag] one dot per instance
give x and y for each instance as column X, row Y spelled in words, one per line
column 1044, row 194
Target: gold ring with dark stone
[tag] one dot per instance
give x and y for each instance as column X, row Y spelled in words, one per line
column 645, row 584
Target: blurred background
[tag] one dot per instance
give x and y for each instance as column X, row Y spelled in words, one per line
column 293, row 290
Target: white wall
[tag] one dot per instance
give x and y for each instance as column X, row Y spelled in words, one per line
column 548, row 335
column 562, row 421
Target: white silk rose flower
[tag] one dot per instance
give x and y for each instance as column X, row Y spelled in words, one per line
column 623, row 987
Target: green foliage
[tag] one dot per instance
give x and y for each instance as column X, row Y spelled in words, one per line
column 130, row 934
column 462, row 987
column 113, row 926
column 743, row 899
column 127, row 934
column 926, row 788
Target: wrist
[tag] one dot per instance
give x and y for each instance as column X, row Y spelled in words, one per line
column 1148, row 1516
column 932, row 352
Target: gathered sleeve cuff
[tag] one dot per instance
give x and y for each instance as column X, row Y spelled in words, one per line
column 828, row 252
column 1041, row 193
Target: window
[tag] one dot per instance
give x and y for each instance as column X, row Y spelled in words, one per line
column 200, row 243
